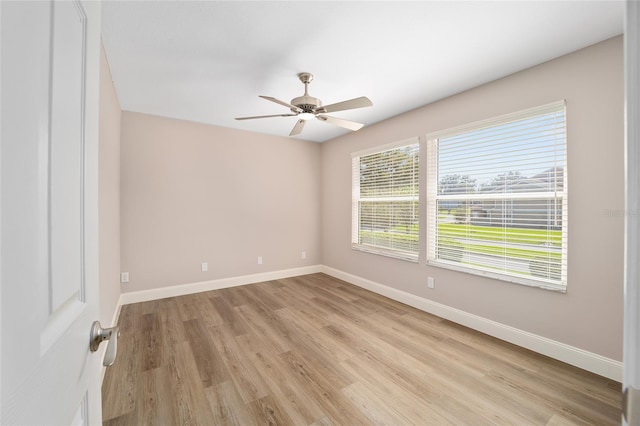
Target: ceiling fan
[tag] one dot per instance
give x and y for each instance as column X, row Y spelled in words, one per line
column 307, row 107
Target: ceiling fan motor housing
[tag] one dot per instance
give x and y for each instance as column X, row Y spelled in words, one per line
column 306, row 103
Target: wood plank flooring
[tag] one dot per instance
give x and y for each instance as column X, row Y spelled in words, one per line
column 314, row 350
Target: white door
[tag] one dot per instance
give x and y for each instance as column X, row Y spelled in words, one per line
column 632, row 221
column 49, row 253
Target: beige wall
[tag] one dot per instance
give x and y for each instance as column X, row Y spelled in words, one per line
column 195, row 193
column 109, row 195
column 589, row 315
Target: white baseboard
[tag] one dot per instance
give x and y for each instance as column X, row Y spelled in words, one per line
column 183, row 289
column 116, row 313
column 589, row 361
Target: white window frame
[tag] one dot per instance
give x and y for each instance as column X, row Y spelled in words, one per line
column 433, row 198
column 356, row 199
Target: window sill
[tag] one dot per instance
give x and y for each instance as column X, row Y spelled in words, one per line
column 409, row 257
column 529, row 282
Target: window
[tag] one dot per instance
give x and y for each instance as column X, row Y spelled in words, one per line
column 497, row 198
column 385, row 200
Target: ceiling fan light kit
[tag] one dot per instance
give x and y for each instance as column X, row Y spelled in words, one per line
column 306, row 107
column 306, row 116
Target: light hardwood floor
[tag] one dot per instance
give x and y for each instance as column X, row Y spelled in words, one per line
column 314, row 350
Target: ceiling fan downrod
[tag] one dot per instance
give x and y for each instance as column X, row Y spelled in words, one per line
column 305, row 102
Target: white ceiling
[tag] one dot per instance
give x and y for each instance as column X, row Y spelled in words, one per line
column 207, row 61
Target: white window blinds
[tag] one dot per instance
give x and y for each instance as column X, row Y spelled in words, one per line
column 385, row 201
column 497, row 197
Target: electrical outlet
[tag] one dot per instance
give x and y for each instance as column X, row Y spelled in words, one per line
column 259, row 260
column 303, row 255
column 204, row 267
column 431, row 282
column 124, row 277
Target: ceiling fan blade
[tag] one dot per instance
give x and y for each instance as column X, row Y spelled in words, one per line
column 360, row 102
column 351, row 125
column 266, row 116
column 297, row 128
column 283, row 103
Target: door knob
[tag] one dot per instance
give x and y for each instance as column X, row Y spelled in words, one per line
column 99, row 335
